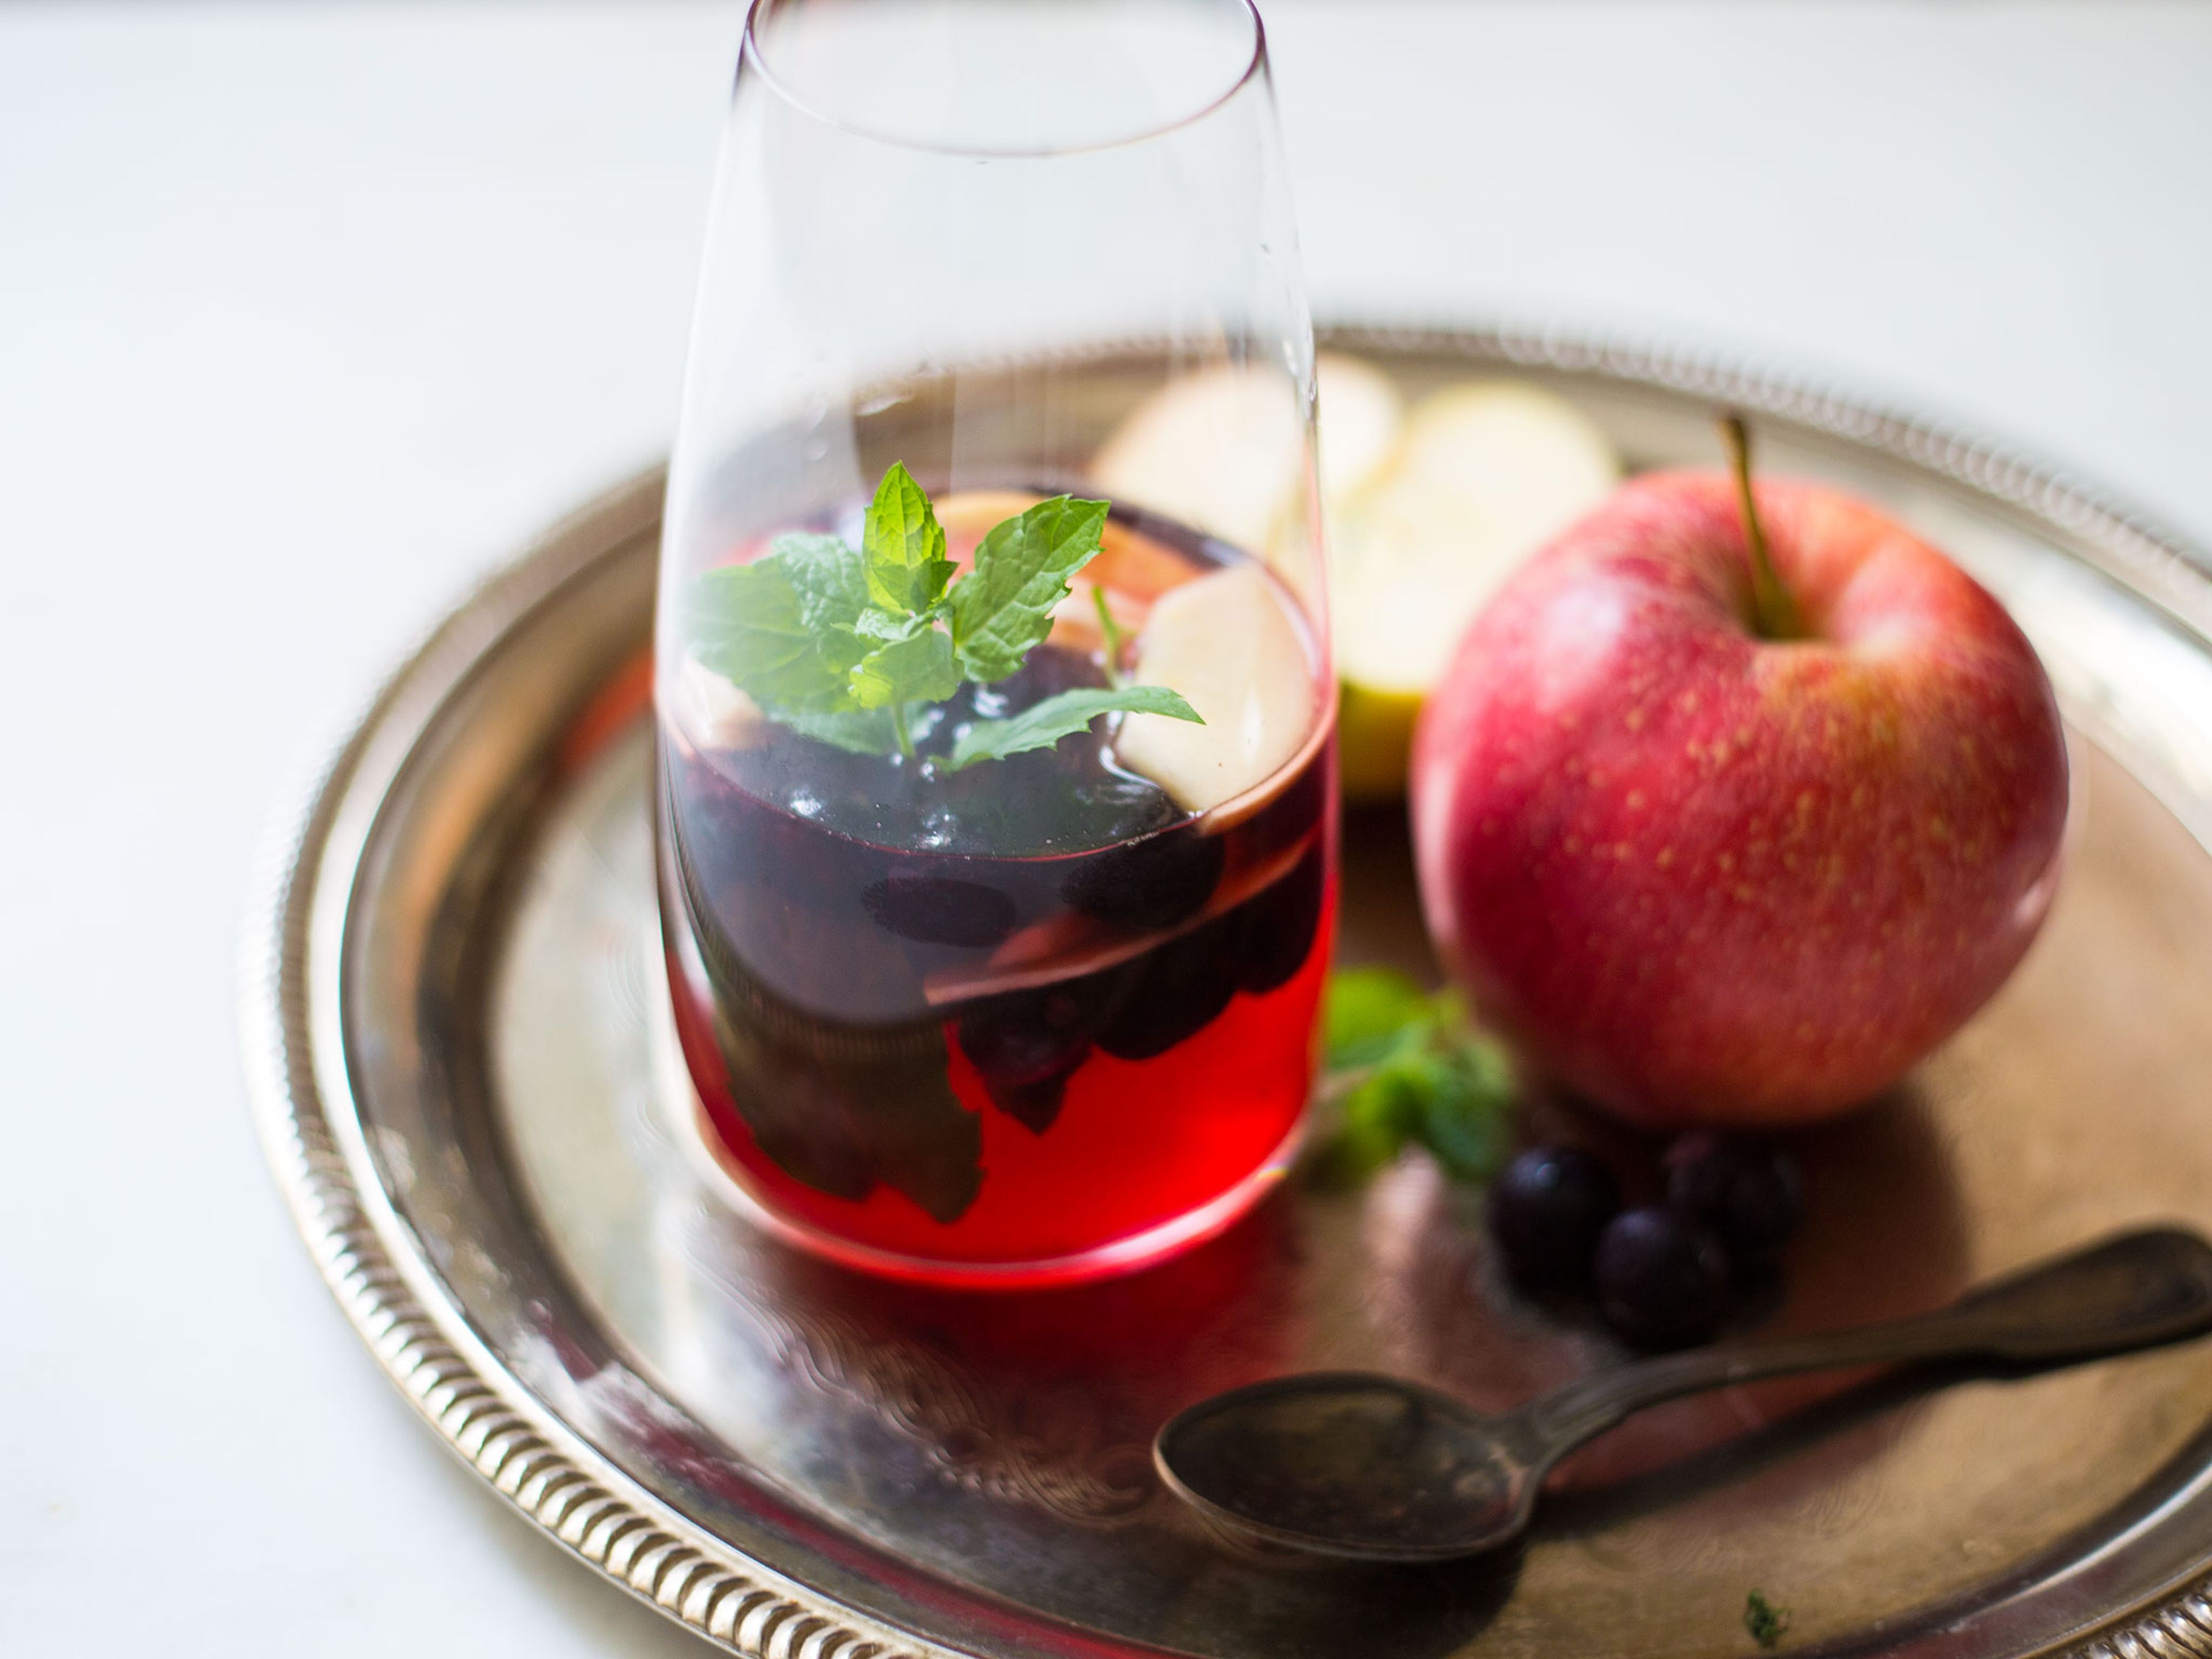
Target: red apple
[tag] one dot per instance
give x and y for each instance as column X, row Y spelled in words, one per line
column 1709, row 876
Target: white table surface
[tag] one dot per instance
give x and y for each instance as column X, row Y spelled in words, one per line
column 308, row 314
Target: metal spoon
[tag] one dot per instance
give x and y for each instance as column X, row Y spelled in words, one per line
column 1374, row 1469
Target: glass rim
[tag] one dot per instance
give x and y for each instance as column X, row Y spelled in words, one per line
column 750, row 51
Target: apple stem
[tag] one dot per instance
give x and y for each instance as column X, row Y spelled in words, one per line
column 1773, row 612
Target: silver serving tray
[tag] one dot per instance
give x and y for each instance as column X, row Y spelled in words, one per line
column 451, row 1000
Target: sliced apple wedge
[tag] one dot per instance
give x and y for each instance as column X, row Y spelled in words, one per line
column 1218, row 449
column 1425, row 513
column 1228, row 643
column 1360, row 413
column 1483, row 474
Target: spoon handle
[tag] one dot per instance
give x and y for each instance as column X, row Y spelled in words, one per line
column 2132, row 1292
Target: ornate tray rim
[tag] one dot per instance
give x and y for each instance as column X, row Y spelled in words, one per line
column 489, row 1419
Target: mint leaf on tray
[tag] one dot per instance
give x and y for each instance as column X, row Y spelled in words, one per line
column 1765, row 1622
column 1367, row 1010
column 1407, row 1068
column 844, row 644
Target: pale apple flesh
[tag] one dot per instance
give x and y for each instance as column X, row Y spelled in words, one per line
column 1706, row 878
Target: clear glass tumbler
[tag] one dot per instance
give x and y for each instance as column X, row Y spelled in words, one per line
column 996, row 786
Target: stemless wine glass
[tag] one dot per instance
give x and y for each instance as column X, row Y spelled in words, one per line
column 996, row 787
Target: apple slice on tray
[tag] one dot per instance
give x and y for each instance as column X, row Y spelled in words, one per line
column 1364, row 414
column 1425, row 512
column 1484, row 473
column 1218, row 449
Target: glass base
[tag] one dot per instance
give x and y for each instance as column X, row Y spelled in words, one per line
column 687, row 1117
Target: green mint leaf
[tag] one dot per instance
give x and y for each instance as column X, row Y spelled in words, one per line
column 863, row 731
column 1111, row 632
column 1465, row 1092
column 915, row 669
column 1002, row 608
column 903, row 547
column 1042, row 725
column 843, row 645
column 1385, row 1109
column 781, row 628
column 831, row 582
column 1764, row 1619
column 1368, row 1012
column 883, row 625
column 1414, row 1068
column 1469, row 1087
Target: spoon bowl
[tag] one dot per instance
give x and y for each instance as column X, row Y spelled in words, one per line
column 1348, row 1464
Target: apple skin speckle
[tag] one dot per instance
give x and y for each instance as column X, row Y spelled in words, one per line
column 1828, row 852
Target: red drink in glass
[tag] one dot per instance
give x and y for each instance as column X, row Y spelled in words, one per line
column 1028, row 1022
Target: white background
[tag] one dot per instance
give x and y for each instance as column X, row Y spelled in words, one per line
column 308, row 314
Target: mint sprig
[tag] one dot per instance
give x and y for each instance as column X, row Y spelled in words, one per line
column 1407, row 1067
column 843, row 646
column 1765, row 1622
